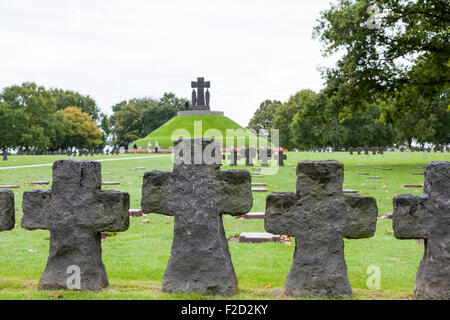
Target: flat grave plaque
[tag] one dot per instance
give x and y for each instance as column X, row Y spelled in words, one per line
column 258, row 237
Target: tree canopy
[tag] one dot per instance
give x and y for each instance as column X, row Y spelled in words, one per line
column 395, row 53
column 390, row 84
column 34, row 118
column 79, row 130
column 136, row 118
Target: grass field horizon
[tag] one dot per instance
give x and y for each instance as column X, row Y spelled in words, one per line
column 136, row 259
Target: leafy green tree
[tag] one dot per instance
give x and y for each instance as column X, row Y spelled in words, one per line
column 136, row 118
column 419, row 119
column 285, row 113
column 79, row 129
column 154, row 116
column 105, row 126
column 68, row 98
column 365, row 129
column 126, row 121
column 400, row 54
column 308, row 127
column 379, row 51
column 8, row 116
column 27, row 116
column 262, row 119
column 320, row 123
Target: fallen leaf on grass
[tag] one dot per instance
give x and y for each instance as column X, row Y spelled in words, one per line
column 32, row 251
column 286, row 239
column 268, row 286
column 56, row 295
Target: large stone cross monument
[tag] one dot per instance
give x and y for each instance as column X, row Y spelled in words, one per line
column 200, row 100
column 75, row 211
column 428, row 217
column 319, row 215
column 197, row 193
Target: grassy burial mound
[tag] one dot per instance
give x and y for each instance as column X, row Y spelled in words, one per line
column 198, row 126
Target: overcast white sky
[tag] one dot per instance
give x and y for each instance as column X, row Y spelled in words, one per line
column 250, row 50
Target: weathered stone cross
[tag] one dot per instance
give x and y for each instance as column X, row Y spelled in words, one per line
column 280, row 157
column 197, row 195
column 319, row 215
column 265, row 154
column 249, row 154
column 200, row 84
column 75, row 211
column 428, row 217
column 7, row 216
column 233, row 157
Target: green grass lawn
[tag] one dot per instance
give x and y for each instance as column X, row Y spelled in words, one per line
column 211, row 126
column 135, row 260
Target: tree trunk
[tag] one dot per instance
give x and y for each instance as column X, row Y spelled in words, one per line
column 5, row 154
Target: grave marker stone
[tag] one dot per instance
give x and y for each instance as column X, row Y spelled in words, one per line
column 265, row 155
column 75, row 211
column 366, row 150
column 233, row 157
column 249, row 154
column 135, row 212
column 259, row 190
column 428, row 217
column 197, row 193
column 7, row 210
column 280, row 157
column 320, row 215
column 40, row 182
column 258, row 237
column 254, row 215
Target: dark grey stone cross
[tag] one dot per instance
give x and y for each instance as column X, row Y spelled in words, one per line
column 319, row 215
column 7, row 216
column 233, row 157
column 249, row 154
column 200, row 84
column 265, row 154
column 75, row 211
column 428, row 217
column 197, row 195
column 280, row 157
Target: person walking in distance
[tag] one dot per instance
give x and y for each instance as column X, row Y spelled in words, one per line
column 149, row 147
